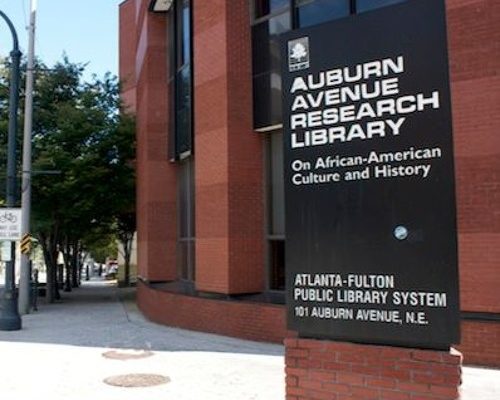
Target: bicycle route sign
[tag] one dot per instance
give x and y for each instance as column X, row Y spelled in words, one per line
column 10, row 224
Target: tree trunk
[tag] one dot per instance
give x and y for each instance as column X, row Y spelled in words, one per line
column 74, row 264
column 67, row 265
column 126, row 240
column 128, row 251
column 55, row 253
column 49, row 268
column 49, row 248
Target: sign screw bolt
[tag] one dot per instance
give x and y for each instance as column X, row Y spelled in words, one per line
column 400, row 232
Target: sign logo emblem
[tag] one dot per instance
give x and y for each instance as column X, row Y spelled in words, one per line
column 298, row 54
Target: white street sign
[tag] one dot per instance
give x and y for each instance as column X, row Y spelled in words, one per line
column 5, row 250
column 10, row 224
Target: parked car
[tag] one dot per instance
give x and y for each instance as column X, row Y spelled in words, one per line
column 111, row 271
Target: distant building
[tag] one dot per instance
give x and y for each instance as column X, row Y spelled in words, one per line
column 204, row 81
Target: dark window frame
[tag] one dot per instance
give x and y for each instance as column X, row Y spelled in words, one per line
column 186, row 234
column 274, row 239
column 177, row 65
column 184, row 160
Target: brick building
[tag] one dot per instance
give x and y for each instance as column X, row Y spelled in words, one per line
column 204, row 81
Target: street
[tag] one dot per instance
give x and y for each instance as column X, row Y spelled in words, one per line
column 67, row 350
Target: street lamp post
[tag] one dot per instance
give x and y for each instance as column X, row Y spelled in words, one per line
column 24, row 277
column 160, row 5
column 10, row 320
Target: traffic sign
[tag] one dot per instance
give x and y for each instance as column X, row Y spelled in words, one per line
column 10, row 224
column 26, row 244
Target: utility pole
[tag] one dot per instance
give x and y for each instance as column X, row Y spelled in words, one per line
column 24, row 280
column 10, row 320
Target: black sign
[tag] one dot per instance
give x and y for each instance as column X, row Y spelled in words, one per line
column 371, row 251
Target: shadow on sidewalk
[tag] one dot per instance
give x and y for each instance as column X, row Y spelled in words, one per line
column 99, row 314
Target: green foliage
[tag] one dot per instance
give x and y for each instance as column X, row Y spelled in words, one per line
column 80, row 131
column 101, row 244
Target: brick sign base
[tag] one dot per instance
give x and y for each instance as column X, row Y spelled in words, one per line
column 328, row 370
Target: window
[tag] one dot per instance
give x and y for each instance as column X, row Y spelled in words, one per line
column 266, row 7
column 313, row 12
column 181, row 132
column 265, row 43
column 367, row 5
column 181, row 82
column 186, row 220
column 266, row 62
column 276, row 212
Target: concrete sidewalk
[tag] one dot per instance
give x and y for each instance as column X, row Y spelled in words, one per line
column 59, row 355
column 66, row 350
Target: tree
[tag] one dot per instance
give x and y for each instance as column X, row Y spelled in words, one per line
column 78, row 130
column 123, row 205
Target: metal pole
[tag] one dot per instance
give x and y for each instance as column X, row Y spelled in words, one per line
column 24, row 279
column 10, row 320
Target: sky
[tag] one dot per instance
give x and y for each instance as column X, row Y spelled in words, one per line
column 86, row 30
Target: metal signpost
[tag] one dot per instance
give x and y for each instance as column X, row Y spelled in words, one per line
column 24, row 279
column 9, row 316
column 371, row 249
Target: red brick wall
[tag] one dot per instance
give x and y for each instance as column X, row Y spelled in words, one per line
column 228, row 154
column 156, row 216
column 481, row 343
column 127, row 50
column 246, row 225
column 323, row 370
column 252, row 321
column 211, row 169
column 474, row 37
